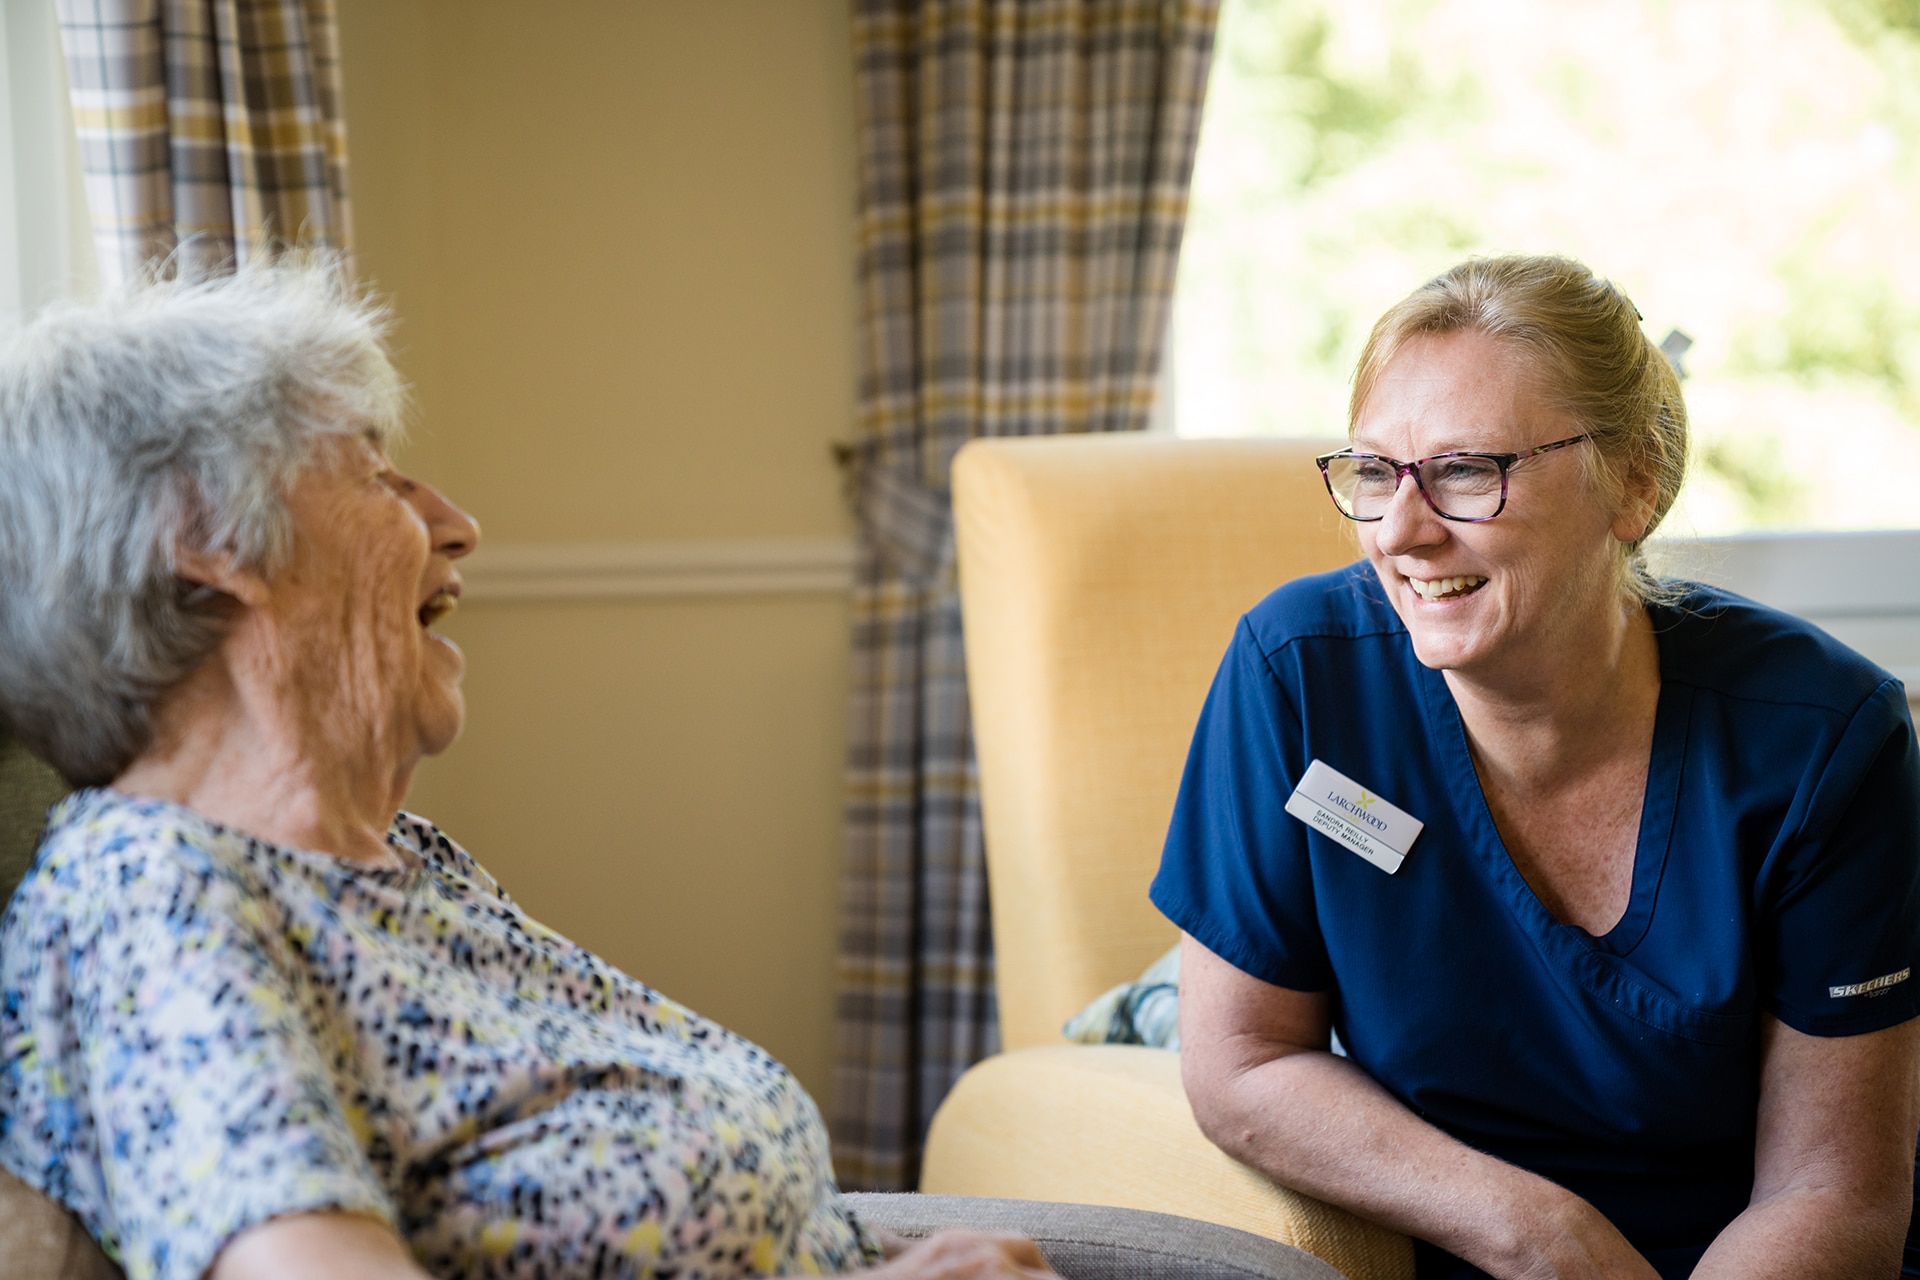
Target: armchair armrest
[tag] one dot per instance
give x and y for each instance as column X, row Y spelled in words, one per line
column 1094, row 1242
column 1110, row 1125
column 39, row 1240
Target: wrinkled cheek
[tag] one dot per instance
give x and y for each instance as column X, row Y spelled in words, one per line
column 379, row 674
column 371, row 666
column 342, row 675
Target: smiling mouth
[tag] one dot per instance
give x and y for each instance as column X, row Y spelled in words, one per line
column 438, row 606
column 1447, row 588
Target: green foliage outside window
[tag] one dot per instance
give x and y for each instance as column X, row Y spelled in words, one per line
column 1748, row 169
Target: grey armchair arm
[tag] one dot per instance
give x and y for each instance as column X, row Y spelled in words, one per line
column 1092, row 1242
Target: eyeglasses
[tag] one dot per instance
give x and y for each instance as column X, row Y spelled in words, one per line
column 1469, row 487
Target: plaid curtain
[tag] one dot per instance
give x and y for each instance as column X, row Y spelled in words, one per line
column 1023, row 183
column 208, row 128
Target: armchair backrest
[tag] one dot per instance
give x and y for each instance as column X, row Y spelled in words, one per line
column 1100, row 578
column 27, row 788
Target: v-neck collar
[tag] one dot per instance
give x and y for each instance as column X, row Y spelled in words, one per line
column 1653, row 843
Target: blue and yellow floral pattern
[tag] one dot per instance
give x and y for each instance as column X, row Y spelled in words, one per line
column 200, row 1030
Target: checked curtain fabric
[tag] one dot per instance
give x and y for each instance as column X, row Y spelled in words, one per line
column 1024, row 167
column 208, row 128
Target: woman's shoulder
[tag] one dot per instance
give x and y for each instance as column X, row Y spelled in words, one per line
column 100, row 843
column 1740, row 649
column 111, row 866
column 1343, row 603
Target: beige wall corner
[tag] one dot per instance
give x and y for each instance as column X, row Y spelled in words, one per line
column 618, row 240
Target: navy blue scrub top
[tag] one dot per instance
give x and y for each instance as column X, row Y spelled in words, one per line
column 1778, row 870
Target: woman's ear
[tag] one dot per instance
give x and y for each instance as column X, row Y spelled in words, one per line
column 219, row 571
column 1635, row 518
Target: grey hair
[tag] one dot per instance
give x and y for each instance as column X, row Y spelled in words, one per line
column 166, row 416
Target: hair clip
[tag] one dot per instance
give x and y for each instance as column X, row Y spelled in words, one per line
column 1673, row 347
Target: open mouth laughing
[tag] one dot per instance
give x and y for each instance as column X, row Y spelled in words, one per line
column 439, row 605
column 1446, row 588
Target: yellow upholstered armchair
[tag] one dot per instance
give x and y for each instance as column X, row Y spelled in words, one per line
column 1101, row 577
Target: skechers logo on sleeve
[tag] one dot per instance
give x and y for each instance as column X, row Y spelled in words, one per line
column 1872, row 987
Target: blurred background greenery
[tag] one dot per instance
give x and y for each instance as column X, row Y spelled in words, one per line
column 1748, row 170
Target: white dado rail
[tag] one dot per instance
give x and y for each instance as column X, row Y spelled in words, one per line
column 1862, row 587
column 640, row 570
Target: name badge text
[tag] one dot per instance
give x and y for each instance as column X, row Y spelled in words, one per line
column 1343, row 810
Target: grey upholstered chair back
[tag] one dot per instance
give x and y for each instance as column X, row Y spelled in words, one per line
column 27, row 788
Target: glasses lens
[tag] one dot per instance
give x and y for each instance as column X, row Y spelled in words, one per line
column 1363, row 486
column 1463, row 486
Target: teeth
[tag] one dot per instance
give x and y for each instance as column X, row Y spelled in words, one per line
column 437, row 607
column 1439, row 588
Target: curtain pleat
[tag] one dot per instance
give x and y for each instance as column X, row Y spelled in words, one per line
column 1024, row 167
column 210, row 130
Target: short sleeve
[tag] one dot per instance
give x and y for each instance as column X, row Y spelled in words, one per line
column 211, row 1105
column 1235, row 873
column 1840, row 909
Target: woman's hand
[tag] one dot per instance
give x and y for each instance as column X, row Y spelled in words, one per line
column 1570, row 1240
column 963, row 1255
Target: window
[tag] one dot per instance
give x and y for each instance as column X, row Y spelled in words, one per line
column 46, row 248
column 1747, row 169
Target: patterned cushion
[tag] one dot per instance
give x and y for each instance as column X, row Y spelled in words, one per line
column 1145, row 1011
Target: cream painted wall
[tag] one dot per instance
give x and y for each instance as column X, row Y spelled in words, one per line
column 617, row 235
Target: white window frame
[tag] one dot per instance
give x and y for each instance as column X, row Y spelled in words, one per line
column 1862, row 588
column 46, row 244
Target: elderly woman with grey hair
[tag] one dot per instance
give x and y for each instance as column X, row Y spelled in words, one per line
column 254, row 1019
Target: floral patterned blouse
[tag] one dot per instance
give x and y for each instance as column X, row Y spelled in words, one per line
column 200, row 1030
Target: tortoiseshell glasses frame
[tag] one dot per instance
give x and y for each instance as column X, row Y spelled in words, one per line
column 1463, row 486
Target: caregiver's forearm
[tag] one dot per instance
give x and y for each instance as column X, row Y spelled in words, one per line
column 1833, row 1158
column 1819, row 1234
column 1318, row 1124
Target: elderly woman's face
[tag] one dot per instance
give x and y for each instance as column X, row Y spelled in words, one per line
column 371, row 572
column 1492, row 596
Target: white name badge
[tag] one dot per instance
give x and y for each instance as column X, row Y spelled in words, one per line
column 1337, row 806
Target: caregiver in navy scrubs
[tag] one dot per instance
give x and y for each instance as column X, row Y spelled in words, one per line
column 1610, row 886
